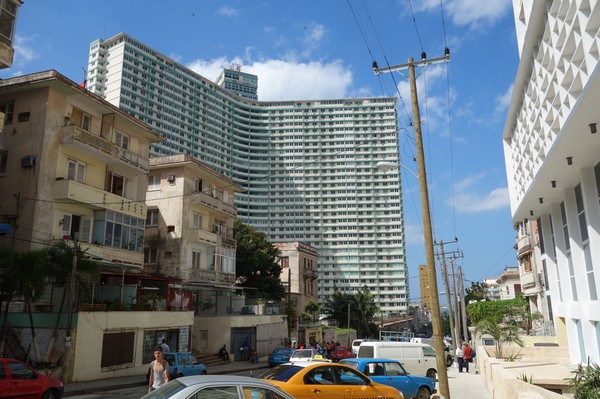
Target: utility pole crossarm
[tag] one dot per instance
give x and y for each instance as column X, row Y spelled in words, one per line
column 399, row 67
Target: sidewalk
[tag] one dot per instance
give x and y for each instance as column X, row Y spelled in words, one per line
column 462, row 385
column 82, row 388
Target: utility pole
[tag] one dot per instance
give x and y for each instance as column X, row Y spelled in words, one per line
column 67, row 367
column 461, row 287
column 289, row 303
column 448, row 297
column 436, row 321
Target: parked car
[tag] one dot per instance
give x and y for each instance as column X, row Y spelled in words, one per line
column 309, row 380
column 183, row 364
column 279, row 356
column 303, row 355
column 18, row 380
column 391, row 372
column 217, row 386
column 417, row 359
column 341, row 352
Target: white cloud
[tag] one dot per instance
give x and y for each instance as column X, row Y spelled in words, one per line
column 473, row 203
column 287, row 79
column 503, row 100
column 413, row 233
column 476, row 13
column 228, row 11
column 23, row 52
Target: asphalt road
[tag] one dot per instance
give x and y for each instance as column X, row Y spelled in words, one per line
column 135, row 392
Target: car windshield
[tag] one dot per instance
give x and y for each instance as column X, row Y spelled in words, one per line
column 349, row 363
column 281, row 350
column 166, row 391
column 281, row 373
column 302, row 353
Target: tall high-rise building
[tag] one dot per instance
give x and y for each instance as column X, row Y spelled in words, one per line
column 308, row 166
column 238, row 82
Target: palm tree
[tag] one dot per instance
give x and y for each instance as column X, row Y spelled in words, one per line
column 364, row 311
column 502, row 333
column 337, row 306
column 312, row 308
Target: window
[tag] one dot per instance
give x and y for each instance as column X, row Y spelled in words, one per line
column 122, row 140
column 8, row 14
column 3, row 162
column 118, row 230
column 197, row 185
column 115, row 184
column 196, row 259
column 21, row 372
column 117, row 349
column 76, row 170
column 152, row 217
column 9, row 110
column 150, row 255
column 86, row 121
column 285, row 261
column 229, row 392
column 196, row 220
column 154, row 182
column 75, row 227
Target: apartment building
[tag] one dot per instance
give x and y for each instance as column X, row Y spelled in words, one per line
column 8, row 20
column 308, row 167
column 551, row 145
column 74, row 168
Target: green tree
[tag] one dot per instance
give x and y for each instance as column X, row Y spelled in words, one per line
column 336, row 307
column 502, row 333
column 313, row 308
column 8, row 285
column 363, row 312
column 586, row 381
column 475, row 293
column 257, row 262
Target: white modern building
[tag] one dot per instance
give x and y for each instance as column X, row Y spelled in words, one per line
column 308, row 166
column 552, row 154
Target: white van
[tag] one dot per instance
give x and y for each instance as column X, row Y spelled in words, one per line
column 356, row 343
column 418, row 359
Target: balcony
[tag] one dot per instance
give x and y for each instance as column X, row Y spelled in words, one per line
column 207, row 237
column 212, row 276
column 93, row 144
column 211, row 202
column 92, row 197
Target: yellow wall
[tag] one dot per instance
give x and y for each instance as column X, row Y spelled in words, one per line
column 92, row 325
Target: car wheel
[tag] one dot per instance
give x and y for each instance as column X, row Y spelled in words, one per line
column 423, row 393
column 50, row 394
column 431, row 374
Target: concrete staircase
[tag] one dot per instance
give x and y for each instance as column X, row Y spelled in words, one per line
column 210, row 359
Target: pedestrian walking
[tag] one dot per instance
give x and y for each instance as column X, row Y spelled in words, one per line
column 460, row 357
column 159, row 370
column 245, row 348
column 467, row 357
column 165, row 347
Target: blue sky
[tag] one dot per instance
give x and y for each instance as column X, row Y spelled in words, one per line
column 324, row 49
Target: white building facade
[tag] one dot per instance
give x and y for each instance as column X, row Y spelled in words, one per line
column 552, row 155
column 308, row 167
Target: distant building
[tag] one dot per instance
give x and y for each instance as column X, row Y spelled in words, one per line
column 308, row 167
column 509, row 283
column 299, row 275
column 243, row 84
column 491, row 290
column 551, row 146
column 424, row 282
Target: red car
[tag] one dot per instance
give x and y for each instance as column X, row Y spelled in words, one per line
column 341, row 352
column 18, row 380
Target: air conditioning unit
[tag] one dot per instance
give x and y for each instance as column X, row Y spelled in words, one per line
column 28, row 161
column 171, row 178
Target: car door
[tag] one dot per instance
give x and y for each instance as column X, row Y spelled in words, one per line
column 398, row 378
column 25, row 383
column 193, row 367
column 320, row 383
column 4, row 382
column 355, row 385
column 184, row 364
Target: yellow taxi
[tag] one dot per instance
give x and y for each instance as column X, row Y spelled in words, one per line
column 324, row 380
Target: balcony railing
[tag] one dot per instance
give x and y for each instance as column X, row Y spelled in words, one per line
column 97, row 199
column 212, row 276
column 74, row 133
column 209, row 201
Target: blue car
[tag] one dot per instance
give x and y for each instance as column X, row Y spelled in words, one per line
column 391, row 372
column 280, row 356
column 183, row 364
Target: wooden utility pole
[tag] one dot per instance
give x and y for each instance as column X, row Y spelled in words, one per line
column 436, row 321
